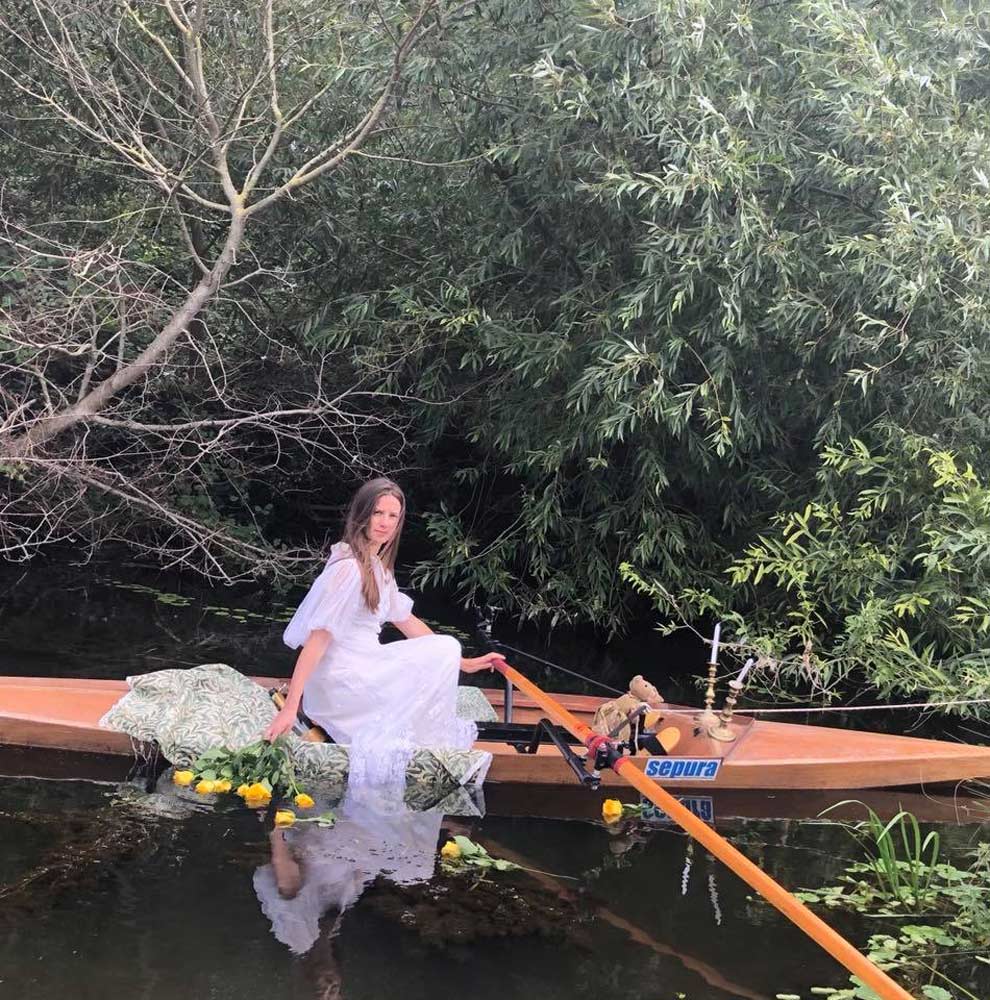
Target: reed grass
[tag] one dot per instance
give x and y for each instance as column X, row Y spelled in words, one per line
column 902, row 858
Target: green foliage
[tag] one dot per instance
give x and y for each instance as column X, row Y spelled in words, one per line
column 905, row 881
column 683, row 303
column 886, row 572
column 695, row 249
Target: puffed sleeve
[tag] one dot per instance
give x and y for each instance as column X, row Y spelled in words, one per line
column 332, row 603
column 399, row 605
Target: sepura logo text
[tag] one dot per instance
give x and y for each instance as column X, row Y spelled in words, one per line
column 681, row 768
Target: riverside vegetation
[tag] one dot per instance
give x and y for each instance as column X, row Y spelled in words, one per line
column 935, row 916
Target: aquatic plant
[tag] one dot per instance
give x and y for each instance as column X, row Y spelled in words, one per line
column 906, row 881
column 902, row 860
column 88, row 845
column 455, row 911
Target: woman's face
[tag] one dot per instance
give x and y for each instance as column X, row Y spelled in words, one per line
column 384, row 519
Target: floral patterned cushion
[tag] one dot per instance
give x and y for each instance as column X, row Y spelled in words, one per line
column 186, row 712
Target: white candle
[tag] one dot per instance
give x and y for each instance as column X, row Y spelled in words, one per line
column 744, row 671
column 715, row 638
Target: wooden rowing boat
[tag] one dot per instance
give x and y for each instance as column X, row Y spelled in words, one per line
column 63, row 714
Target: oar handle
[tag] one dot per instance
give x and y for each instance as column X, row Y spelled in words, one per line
column 816, row 928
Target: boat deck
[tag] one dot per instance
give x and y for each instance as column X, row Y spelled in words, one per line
column 63, row 714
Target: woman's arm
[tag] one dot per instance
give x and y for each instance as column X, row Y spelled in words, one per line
column 413, row 627
column 311, row 654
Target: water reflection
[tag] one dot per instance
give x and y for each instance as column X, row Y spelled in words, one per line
column 175, row 913
column 316, row 874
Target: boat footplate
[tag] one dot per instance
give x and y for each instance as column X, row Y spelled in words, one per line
column 546, row 731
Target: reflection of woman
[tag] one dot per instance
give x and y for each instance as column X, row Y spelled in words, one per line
column 298, row 924
column 296, row 890
column 315, row 870
column 358, row 690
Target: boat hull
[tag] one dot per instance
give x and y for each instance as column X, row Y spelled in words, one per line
column 63, row 714
column 567, row 801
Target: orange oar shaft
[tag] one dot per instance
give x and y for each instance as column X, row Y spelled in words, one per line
column 816, row 928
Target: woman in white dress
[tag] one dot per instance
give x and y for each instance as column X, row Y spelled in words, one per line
column 364, row 693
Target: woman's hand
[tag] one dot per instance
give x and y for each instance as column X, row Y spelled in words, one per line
column 475, row 663
column 282, row 723
column 309, row 656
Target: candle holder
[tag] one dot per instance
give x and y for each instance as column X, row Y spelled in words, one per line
column 722, row 730
column 707, row 718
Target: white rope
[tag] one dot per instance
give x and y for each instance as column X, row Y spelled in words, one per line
column 839, row 708
column 758, row 711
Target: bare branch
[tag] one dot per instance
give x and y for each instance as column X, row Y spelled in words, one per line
column 333, row 155
column 124, row 374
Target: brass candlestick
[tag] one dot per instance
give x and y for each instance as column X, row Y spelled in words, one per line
column 722, row 730
column 707, row 719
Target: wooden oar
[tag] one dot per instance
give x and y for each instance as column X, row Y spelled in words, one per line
column 816, row 928
column 711, row 975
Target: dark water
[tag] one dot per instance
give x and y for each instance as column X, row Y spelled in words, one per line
column 102, row 894
column 114, row 620
column 169, row 910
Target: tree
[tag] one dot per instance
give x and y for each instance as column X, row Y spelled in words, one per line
column 127, row 330
column 631, row 277
column 882, row 576
column 697, row 250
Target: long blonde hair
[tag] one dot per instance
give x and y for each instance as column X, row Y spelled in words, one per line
column 358, row 518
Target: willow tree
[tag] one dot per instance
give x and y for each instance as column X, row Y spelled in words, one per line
column 696, row 249
column 130, row 352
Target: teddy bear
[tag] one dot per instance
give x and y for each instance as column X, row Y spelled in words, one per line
column 612, row 717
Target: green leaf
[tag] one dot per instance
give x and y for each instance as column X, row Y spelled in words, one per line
column 469, row 849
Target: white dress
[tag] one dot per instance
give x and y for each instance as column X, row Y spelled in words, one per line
column 382, row 700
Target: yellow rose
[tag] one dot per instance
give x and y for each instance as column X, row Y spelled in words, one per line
column 257, row 796
column 285, row 817
column 205, row 787
column 183, row 778
column 221, row 786
column 242, row 790
column 450, row 850
column 611, row 810
column 304, row 801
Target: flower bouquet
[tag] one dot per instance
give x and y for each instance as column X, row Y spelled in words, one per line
column 258, row 773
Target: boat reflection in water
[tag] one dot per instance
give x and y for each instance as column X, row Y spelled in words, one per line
column 318, row 872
